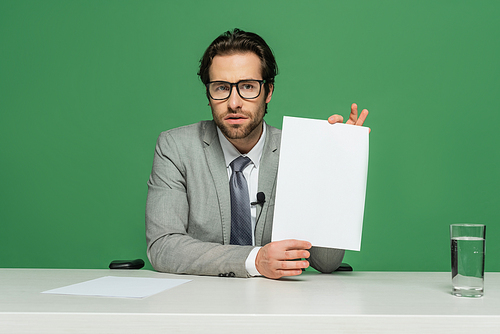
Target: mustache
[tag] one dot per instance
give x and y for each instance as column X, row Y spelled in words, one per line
column 234, row 111
column 237, row 111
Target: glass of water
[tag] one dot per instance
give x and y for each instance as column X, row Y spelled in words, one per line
column 467, row 259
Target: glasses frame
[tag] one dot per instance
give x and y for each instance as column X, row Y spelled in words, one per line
column 235, row 84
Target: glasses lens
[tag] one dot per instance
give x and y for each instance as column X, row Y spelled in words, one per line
column 219, row 89
column 249, row 89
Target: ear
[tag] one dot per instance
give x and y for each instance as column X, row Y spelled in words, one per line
column 270, row 94
column 208, row 98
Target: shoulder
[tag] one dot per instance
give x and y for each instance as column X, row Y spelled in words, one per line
column 273, row 135
column 188, row 137
column 273, row 131
column 189, row 131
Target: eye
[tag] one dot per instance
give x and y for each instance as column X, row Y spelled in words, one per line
column 248, row 86
column 220, row 87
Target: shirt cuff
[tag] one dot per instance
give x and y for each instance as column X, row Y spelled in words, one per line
column 250, row 262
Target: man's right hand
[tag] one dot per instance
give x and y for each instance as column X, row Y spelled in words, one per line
column 275, row 259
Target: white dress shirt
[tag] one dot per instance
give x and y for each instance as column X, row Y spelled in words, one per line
column 251, row 173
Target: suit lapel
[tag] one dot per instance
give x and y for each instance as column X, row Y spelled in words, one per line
column 267, row 179
column 217, row 166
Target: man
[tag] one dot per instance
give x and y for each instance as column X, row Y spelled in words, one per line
column 203, row 216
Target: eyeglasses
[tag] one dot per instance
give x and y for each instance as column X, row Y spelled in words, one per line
column 247, row 89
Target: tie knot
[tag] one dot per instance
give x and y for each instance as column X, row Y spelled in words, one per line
column 238, row 164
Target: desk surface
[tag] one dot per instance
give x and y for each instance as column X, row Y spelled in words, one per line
column 347, row 302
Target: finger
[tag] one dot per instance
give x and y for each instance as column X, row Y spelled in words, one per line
column 335, row 119
column 362, row 117
column 293, row 244
column 284, row 273
column 287, row 268
column 296, row 254
column 291, row 265
column 353, row 116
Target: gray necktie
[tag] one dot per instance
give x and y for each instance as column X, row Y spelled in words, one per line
column 241, row 224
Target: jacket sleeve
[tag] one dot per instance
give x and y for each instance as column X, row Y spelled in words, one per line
column 325, row 260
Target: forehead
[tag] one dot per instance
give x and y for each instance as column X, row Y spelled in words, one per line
column 235, row 67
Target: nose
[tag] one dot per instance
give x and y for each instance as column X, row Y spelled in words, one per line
column 235, row 101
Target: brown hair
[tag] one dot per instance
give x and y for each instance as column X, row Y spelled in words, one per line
column 240, row 41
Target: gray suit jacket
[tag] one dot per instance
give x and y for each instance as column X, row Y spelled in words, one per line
column 188, row 210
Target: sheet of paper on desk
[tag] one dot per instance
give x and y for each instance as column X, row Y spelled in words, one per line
column 321, row 185
column 124, row 287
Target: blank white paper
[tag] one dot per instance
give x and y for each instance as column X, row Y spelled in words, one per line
column 124, row 287
column 321, row 184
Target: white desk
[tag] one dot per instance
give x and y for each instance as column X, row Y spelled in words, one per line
column 355, row 302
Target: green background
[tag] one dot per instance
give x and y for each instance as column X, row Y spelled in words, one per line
column 87, row 86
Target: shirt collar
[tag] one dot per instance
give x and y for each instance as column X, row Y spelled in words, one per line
column 231, row 152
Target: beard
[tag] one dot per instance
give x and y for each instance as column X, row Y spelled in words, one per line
column 240, row 131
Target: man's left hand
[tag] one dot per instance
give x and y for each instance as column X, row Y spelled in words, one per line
column 353, row 117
